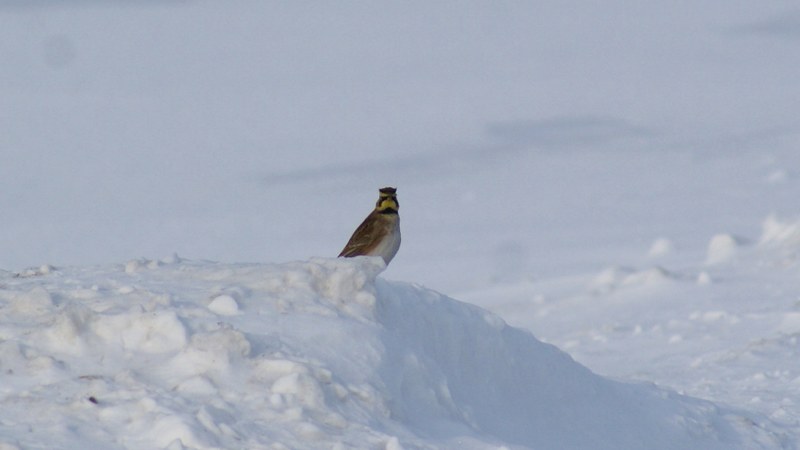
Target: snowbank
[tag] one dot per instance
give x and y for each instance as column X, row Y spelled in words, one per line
column 318, row 354
column 780, row 233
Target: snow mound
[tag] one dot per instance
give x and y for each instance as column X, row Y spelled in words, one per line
column 723, row 247
column 780, row 233
column 614, row 278
column 316, row 354
column 661, row 247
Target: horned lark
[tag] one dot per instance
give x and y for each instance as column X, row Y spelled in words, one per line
column 379, row 233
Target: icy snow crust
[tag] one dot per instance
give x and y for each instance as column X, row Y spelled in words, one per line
column 317, row 354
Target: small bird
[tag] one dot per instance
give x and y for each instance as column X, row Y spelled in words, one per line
column 379, row 233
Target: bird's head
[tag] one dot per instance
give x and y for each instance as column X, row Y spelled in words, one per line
column 387, row 201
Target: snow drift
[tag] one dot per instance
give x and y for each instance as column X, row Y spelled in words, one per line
column 319, row 354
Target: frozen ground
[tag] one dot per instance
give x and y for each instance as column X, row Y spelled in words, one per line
column 619, row 179
column 175, row 354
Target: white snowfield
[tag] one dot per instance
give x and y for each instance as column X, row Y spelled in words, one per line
column 620, row 179
column 308, row 355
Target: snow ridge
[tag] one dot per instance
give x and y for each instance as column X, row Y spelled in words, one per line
column 317, row 354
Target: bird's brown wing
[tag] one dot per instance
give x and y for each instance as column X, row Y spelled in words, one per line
column 366, row 236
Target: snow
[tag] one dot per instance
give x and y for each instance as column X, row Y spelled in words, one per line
column 324, row 353
column 661, row 247
column 616, row 180
column 726, row 331
column 721, row 248
column 224, row 305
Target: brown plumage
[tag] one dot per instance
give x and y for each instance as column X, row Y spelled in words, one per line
column 379, row 233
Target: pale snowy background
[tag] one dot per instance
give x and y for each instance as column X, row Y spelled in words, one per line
column 619, row 178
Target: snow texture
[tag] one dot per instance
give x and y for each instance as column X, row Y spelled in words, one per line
column 318, row 354
column 619, row 179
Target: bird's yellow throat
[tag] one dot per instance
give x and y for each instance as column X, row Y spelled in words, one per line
column 387, row 203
